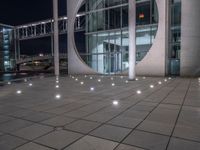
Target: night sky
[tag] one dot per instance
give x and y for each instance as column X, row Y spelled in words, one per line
column 17, row 12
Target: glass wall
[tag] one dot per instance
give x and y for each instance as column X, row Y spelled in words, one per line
column 106, row 36
column 6, row 48
column 175, row 37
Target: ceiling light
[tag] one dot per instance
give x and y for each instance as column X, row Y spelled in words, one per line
column 113, row 84
column 30, row 84
column 152, row 86
column 91, row 78
column 57, row 86
column 92, row 89
column 82, row 83
column 9, row 83
column 99, row 80
column 160, row 82
column 126, row 81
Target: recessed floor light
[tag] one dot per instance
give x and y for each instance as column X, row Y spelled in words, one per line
column 19, row 92
column 92, row 89
column 139, row 92
column 152, row 86
column 58, row 96
column 115, row 102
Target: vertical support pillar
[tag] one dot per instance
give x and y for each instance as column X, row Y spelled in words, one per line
column 56, row 38
column 132, row 39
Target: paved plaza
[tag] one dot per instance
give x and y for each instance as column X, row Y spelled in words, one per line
column 100, row 113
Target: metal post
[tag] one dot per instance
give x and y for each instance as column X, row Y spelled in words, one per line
column 132, row 39
column 56, row 38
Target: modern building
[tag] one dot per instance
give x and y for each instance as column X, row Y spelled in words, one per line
column 167, row 37
column 7, row 50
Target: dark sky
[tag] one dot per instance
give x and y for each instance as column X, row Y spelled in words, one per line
column 17, row 12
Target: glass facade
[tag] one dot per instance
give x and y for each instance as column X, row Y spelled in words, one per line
column 106, row 34
column 6, row 48
column 175, row 37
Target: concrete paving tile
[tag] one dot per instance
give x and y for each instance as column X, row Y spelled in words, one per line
column 13, row 125
column 38, row 116
column 33, row 146
column 8, row 142
column 111, row 132
column 82, row 126
column 127, row 147
column 179, row 144
column 58, row 121
column 147, row 140
column 92, row 143
column 33, row 131
column 58, row 139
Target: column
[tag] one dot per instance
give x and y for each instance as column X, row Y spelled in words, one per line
column 56, row 38
column 132, row 39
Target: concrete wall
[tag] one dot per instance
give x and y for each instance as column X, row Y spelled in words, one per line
column 190, row 38
column 75, row 63
column 155, row 60
column 152, row 64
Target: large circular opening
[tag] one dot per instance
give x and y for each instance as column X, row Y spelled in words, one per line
column 101, row 33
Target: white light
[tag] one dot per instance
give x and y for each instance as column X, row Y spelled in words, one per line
column 9, row 83
column 92, row 89
column 19, row 92
column 82, row 83
column 85, row 76
column 72, row 77
column 76, row 79
column 58, row 96
column 169, row 78
column 121, row 77
column 152, row 86
column 115, row 102
column 57, row 78
column 57, row 86
column 57, row 81
column 113, row 84
column 144, row 77
column 91, row 78
column 111, row 78
column 30, row 84
column 160, row 82
column 99, row 80
column 25, row 80
column 165, row 80
column 136, row 79
column 126, row 81
column 139, row 92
